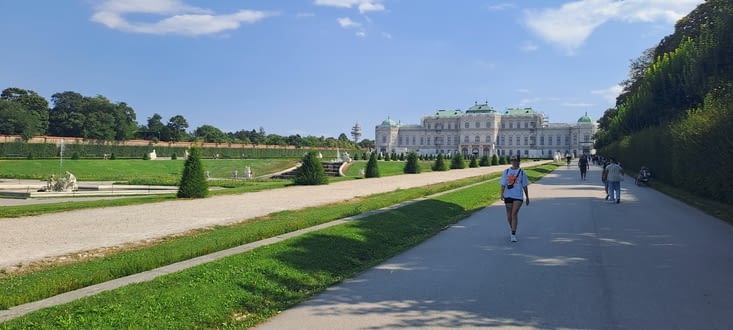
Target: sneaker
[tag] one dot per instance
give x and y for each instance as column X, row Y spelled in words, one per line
column 618, row 201
column 514, row 238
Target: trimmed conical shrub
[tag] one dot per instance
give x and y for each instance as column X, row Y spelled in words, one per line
column 311, row 172
column 193, row 183
column 457, row 162
column 372, row 169
column 439, row 164
column 412, row 166
column 473, row 163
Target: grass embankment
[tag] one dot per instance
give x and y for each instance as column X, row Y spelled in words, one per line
column 245, row 289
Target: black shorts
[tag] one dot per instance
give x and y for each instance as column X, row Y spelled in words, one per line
column 509, row 200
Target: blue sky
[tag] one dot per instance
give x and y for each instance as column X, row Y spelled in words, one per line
column 317, row 67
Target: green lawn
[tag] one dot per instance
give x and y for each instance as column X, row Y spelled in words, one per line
column 243, row 290
column 135, row 170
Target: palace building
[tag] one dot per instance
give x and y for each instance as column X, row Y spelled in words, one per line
column 481, row 130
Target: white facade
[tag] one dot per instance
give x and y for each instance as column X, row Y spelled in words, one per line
column 481, row 130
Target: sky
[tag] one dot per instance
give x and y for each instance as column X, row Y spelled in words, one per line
column 318, row 67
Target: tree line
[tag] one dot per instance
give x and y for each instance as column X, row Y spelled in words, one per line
column 677, row 106
column 23, row 112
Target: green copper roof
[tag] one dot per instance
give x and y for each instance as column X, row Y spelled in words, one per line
column 520, row 112
column 448, row 113
column 389, row 122
column 480, row 108
column 585, row 119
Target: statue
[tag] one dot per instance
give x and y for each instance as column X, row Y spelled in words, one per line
column 70, row 182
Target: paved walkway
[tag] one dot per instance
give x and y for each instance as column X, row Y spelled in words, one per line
column 650, row 262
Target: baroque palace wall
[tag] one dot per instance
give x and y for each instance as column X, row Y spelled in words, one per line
column 481, row 130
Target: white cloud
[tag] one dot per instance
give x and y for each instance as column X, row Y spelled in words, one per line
column 570, row 25
column 178, row 17
column 610, row 93
column 363, row 5
column 361, row 34
column 346, row 23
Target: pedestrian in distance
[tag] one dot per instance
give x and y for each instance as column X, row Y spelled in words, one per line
column 614, row 175
column 583, row 165
column 514, row 192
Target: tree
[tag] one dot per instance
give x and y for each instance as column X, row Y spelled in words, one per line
column 311, row 172
column 177, row 126
column 439, row 164
column 211, row 134
column 473, row 163
column 485, row 161
column 411, row 166
column 457, row 162
column 15, row 120
column 193, row 183
column 34, row 106
column 372, row 168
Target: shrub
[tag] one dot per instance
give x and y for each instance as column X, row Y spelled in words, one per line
column 112, row 156
column 311, row 172
column 473, row 163
column 174, row 156
column 457, row 162
column 372, row 168
column 439, row 164
column 75, row 155
column 193, row 183
column 412, row 166
column 484, row 161
column 494, row 160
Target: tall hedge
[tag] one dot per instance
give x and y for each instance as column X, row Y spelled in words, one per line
column 193, row 183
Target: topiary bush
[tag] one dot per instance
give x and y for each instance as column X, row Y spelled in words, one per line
column 439, row 164
column 193, row 183
column 457, row 162
column 372, row 168
column 311, row 172
column 473, row 163
column 412, row 166
column 494, row 160
column 485, row 161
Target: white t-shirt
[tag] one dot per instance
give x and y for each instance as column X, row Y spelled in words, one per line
column 519, row 178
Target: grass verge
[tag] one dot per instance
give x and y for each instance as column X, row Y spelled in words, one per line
column 245, row 289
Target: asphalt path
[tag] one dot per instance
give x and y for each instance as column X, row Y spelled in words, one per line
column 650, row 262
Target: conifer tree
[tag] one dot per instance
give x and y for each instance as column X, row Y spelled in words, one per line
column 193, row 183
column 311, row 172
column 412, row 166
column 439, row 164
column 457, row 162
column 372, row 169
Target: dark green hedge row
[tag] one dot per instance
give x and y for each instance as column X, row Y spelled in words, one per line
column 693, row 154
column 17, row 150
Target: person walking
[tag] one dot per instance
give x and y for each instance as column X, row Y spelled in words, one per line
column 614, row 175
column 583, row 165
column 514, row 192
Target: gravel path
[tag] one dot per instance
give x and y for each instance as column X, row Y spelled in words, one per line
column 44, row 238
